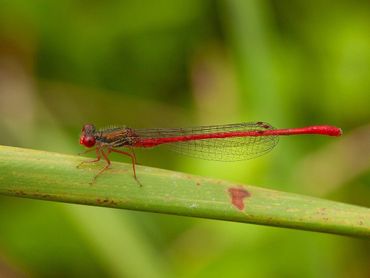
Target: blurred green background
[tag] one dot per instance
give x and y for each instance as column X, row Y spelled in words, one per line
column 184, row 63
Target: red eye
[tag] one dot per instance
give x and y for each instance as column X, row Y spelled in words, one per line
column 87, row 141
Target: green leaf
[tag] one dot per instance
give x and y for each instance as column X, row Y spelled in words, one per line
column 55, row 177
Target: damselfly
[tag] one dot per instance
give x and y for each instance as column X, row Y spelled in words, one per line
column 231, row 142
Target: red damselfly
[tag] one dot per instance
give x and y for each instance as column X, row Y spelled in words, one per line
column 231, row 142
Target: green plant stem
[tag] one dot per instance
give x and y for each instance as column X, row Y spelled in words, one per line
column 55, row 177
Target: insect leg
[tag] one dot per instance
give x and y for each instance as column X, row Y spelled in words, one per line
column 98, row 157
column 133, row 159
column 86, row 151
column 105, row 156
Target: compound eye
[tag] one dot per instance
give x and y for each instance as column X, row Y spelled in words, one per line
column 88, row 141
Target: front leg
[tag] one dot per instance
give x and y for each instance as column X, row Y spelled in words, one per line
column 98, row 157
column 86, row 151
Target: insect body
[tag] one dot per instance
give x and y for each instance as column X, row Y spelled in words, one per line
column 219, row 142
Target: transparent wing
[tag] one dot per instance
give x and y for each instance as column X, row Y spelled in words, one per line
column 222, row 149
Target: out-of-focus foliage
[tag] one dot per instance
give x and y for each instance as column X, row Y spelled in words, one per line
column 183, row 63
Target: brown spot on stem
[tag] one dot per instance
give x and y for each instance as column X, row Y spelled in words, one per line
column 40, row 195
column 113, row 203
column 237, row 197
column 107, row 202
